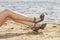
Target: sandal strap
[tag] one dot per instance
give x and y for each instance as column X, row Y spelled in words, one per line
column 43, row 26
column 34, row 25
column 41, row 17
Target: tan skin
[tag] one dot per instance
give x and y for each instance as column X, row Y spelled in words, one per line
column 6, row 14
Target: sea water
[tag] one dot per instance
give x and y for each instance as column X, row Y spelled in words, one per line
column 35, row 8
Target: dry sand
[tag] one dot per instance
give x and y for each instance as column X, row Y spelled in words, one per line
column 16, row 31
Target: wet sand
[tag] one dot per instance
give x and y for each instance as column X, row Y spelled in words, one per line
column 17, row 31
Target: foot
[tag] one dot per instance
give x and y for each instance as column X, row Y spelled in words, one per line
column 34, row 28
column 43, row 26
column 42, row 17
column 40, row 27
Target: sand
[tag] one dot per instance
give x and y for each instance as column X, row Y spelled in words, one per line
column 17, row 31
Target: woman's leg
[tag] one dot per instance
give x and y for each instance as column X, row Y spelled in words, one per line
column 3, row 17
column 3, row 21
column 16, row 16
column 6, row 13
column 30, row 24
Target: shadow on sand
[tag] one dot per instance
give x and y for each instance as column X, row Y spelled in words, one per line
column 9, row 35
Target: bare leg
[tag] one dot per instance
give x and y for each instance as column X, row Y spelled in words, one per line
column 8, row 13
column 3, row 21
column 30, row 24
column 16, row 16
column 3, row 17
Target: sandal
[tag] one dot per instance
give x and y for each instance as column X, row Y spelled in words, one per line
column 41, row 17
column 34, row 28
column 43, row 26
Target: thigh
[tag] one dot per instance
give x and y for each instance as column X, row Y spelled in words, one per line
column 3, row 16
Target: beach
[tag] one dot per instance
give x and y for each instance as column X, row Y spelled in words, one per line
column 17, row 31
column 11, row 30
